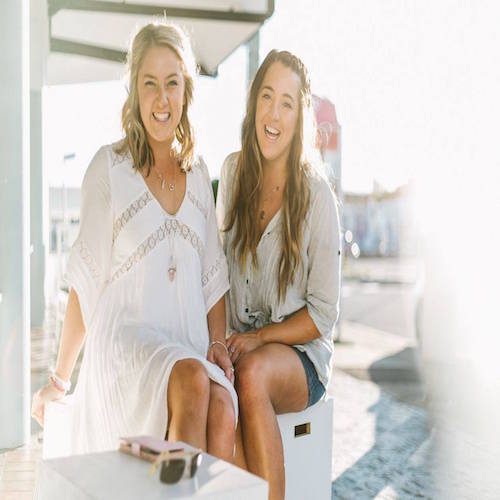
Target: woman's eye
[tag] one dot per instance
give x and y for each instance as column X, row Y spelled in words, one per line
column 287, row 105
column 266, row 96
column 172, row 83
column 149, row 83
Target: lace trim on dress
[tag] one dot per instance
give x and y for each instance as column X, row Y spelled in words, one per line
column 130, row 212
column 169, row 227
column 197, row 203
column 118, row 158
column 212, row 271
column 88, row 259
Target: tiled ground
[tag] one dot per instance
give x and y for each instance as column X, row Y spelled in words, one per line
column 17, row 472
column 17, row 467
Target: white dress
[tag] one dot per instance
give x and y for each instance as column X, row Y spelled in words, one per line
column 139, row 323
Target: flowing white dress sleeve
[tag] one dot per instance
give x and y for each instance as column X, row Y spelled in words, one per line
column 88, row 264
column 215, row 280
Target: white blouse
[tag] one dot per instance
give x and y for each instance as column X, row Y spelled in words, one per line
column 253, row 296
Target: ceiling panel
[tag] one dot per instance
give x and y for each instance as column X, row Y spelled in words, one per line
column 88, row 35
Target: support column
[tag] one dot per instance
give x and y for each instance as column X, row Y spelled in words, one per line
column 14, row 224
column 39, row 43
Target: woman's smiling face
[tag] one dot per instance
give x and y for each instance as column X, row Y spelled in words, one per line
column 277, row 112
column 160, row 85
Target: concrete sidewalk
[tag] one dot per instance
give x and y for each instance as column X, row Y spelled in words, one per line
column 390, row 360
column 382, row 436
column 386, row 445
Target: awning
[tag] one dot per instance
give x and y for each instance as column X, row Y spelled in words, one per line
column 89, row 38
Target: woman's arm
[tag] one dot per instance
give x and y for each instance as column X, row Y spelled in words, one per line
column 218, row 352
column 72, row 337
column 299, row 328
column 87, row 269
column 216, row 318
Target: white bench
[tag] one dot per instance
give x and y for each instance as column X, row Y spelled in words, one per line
column 306, row 435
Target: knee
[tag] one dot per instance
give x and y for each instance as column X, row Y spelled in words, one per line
column 250, row 377
column 222, row 412
column 193, row 379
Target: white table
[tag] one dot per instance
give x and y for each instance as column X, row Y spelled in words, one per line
column 116, row 475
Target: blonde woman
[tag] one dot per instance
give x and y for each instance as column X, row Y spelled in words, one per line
column 148, row 275
column 281, row 238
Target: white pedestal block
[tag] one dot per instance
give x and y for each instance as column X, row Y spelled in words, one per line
column 306, row 436
column 116, row 475
column 307, row 448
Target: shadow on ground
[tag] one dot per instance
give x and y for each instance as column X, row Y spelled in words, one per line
column 397, row 460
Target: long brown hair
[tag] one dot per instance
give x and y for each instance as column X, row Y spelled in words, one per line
column 159, row 34
column 249, row 178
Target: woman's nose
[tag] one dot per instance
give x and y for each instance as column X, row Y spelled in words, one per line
column 163, row 96
column 275, row 111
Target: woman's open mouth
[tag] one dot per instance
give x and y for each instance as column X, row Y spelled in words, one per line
column 271, row 133
column 161, row 117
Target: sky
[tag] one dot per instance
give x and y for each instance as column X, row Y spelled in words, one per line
column 414, row 85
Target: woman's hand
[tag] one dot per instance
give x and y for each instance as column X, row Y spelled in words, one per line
column 241, row 343
column 220, row 356
column 44, row 395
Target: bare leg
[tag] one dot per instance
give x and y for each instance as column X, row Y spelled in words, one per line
column 239, row 457
column 188, row 398
column 220, row 423
column 269, row 381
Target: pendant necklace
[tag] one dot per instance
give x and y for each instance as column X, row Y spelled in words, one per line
column 163, row 180
column 172, row 267
column 262, row 213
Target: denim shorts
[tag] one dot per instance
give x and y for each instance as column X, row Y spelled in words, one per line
column 314, row 387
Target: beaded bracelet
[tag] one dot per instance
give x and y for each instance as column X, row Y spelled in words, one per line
column 59, row 383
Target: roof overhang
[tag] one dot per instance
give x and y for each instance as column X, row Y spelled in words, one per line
column 89, row 38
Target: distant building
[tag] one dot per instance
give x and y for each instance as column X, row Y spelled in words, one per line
column 382, row 223
column 64, row 217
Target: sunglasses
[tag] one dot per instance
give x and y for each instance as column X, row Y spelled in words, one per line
column 177, row 465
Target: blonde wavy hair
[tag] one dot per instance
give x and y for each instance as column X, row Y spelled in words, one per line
column 157, row 34
column 249, row 178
